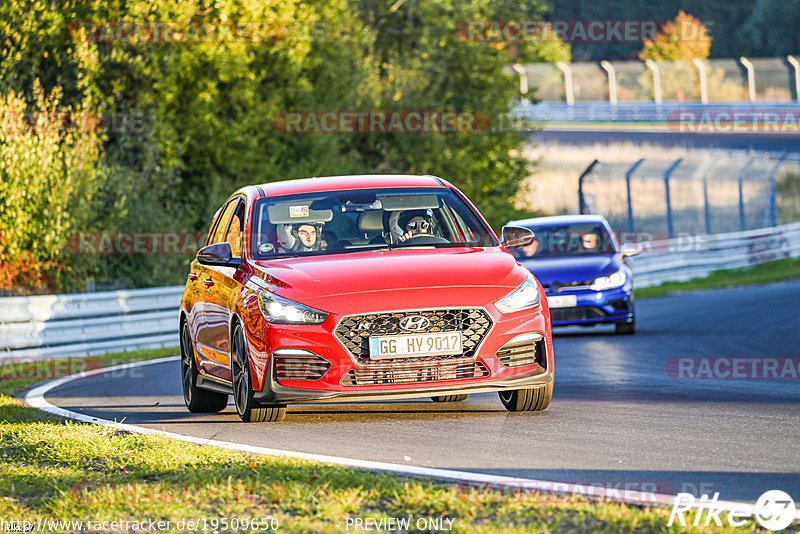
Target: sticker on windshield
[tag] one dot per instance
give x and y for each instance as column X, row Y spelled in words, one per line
column 298, row 211
column 265, row 247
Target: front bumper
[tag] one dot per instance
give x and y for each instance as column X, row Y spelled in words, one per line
column 336, row 383
column 275, row 393
column 595, row 307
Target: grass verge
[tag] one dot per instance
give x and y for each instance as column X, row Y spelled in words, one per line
column 764, row 273
column 54, row 469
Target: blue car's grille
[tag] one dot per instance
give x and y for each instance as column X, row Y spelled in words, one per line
column 578, row 313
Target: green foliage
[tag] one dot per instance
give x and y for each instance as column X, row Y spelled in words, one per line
column 727, row 22
column 197, row 117
column 773, row 27
column 48, row 178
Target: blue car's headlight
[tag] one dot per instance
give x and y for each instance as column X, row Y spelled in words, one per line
column 524, row 297
column 284, row 311
column 609, row 282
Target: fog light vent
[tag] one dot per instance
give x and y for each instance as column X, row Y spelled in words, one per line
column 297, row 364
column 527, row 349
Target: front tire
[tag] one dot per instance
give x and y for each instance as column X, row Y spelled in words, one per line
column 249, row 410
column 196, row 399
column 625, row 329
column 527, row 400
column 449, row 398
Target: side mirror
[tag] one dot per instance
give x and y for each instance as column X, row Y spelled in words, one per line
column 218, row 254
column 629, row 249
column 517, row 237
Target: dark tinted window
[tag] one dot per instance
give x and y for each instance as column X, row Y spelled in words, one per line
column 567, row 240
column 355, row 220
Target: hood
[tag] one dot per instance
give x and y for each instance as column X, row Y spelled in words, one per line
column 570, row 269
column 396, row 279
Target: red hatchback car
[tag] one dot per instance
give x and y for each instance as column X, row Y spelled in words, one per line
column 360, row 288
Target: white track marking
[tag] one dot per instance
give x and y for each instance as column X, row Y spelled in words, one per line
column 35, row 398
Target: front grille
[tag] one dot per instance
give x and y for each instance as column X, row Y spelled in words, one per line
column 576, row 314
column 523, row 352
column 354, row 331
column 407, row 373
column 556, row 286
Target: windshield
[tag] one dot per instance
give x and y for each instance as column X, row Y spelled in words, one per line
column 355, row 220
column 568, row 240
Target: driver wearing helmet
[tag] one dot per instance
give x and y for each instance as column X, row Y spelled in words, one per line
column 305, row 237
column 414, row 223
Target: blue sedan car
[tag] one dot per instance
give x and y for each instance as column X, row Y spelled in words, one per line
column 586, row 277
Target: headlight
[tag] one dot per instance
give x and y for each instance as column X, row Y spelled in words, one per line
column 284, row 311
column 609, row 282
column 524, row 297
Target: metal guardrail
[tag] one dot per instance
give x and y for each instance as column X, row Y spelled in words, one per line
column 688, row 257
column 62, row 326
column 52, row 326
column 648, row 112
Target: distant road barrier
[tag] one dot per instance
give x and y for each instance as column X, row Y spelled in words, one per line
column 778, row 117
column 62, row 326
column 87, row 324
column 689, row 257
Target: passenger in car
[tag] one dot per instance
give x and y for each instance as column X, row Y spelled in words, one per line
column 306, row 237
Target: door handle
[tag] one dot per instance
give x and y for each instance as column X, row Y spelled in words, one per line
column 192, row 277
column 208, row 282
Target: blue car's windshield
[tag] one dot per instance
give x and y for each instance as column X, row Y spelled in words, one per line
column 336, row 222
column 568, row 240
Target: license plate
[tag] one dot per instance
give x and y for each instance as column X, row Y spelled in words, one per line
column 411, row 345
column 562, row 301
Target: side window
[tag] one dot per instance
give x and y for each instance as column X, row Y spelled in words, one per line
column 214, row 221
column 234, row 235
column 224, row 221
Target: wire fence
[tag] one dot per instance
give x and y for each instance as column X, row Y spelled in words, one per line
column 706, row 194
column 754, row 79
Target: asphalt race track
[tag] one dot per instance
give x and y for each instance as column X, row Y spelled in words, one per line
column 618, row 416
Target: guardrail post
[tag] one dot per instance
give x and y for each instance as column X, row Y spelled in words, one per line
column 569, row 90
column 628, row 176
column 653, row 66
column 612, row 81
column 742, row 224
column 771, row 213
column 706, row 208
column 581, row 201
column 701, row 69
column 742, row 175
column 796, row 68
column 670, row 227
column 751, row 77
column 523, row 81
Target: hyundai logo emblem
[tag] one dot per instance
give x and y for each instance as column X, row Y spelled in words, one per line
column 414, row 323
